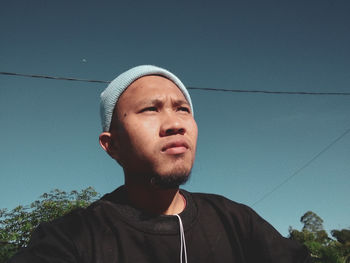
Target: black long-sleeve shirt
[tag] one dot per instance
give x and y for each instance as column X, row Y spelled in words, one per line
column 110, row 230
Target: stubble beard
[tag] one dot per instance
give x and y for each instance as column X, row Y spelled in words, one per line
column 170, row 181
column 154, row 175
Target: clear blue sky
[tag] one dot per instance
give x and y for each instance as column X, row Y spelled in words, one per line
column 248, row 143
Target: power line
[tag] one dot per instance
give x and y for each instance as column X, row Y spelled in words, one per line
column 193, row 88
column 51, row 77
column 273, row 92
column 302, row 167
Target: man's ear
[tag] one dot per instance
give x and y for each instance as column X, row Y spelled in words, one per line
column 107, row 144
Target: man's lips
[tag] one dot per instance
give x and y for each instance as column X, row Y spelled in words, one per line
column 175, row 147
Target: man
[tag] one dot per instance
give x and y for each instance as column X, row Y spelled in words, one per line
column 149, row 129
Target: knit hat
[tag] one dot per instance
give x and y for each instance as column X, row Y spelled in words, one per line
column 110, row 96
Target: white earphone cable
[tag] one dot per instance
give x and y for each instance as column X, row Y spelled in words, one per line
column 182, row 241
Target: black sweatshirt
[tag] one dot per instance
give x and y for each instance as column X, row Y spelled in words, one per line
column 216, row 230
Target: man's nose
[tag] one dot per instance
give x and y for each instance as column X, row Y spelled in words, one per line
column 171, row 125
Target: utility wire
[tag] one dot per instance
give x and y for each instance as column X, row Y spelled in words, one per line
column 302, row 167
column 193, row 88
column 51, row 77
column 273, row 92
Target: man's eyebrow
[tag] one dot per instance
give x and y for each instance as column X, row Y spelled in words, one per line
column 180, row 102
column 149, row 102
column 158, row 102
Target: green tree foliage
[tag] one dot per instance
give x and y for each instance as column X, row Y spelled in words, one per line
column 323, row 249
column 312, row 222
column 17, row 225
column 343, row 237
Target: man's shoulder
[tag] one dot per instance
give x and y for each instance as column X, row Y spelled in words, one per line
column 215, row 198
column 78, row 219
column 211, row 196
column 220, row 203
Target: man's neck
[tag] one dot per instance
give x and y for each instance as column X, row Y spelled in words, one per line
column 155, row 200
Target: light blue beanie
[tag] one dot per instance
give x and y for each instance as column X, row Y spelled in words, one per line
column 110, row 96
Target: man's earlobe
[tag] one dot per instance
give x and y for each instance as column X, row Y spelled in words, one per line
column 107, row 144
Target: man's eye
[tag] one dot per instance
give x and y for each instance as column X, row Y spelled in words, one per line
column 149, row 109
column 186, row 109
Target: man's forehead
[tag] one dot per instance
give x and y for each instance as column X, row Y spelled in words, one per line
column 153, row 89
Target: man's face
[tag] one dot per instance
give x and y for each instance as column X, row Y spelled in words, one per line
column 155, row 135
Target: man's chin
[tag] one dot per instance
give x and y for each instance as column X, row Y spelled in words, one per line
column 171, row 180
